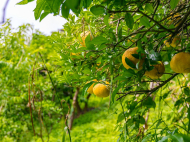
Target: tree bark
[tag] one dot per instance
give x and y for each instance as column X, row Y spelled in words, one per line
column 86, row 103
column 75, row 106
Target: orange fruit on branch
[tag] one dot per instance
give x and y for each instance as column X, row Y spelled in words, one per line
column 157, row 72
column 128, row 53
column 101, row 90
column 180, row 63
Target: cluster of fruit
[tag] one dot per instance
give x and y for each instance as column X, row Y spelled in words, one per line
column 180, row 63
column 99, row 89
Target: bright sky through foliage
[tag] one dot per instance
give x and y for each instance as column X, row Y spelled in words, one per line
column 20, row 14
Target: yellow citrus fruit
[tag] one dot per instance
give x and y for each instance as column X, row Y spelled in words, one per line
column 157, row 72
column 90, row 89
column 180, row 63
column 128, row 53
column 83, row 36
column 176, row 40
column 101, row 90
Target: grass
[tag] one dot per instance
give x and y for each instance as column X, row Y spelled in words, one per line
column 96, row 125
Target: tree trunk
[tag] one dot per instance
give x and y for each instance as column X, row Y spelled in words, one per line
column 75, row 106
column 86, row 103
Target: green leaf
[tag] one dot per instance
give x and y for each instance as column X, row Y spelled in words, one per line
column 129, row 20
column 86, row 3
column 43, row 15
column 65, row 10
column 149, row 8
column 120, row 33
column 173, row 3
column 117, row 89
column 149, row 103
column 97, row 10
column 39, row 7
column 136, row 56
column 188, row 116
column 146, row 138
column 86, row 71
column 24, row 2
column 120, row 117
column 86, row 86
column 186, row 138
column 178, row 102
column 130, row 63
column 139, row 44
column 177, row 137
column 73, row 4
column 164, row 139
column 54, row 5
column 99, row 40
column 187, row 99
column 64, row 134
column 187, row 91
column 106, row 18
column 142, row 120
column 144, row 21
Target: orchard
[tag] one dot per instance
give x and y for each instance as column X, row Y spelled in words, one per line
column 130, row 56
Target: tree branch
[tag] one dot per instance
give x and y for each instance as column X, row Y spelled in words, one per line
column 4, row 12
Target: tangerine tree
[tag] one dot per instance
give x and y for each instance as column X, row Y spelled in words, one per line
column 140, row 48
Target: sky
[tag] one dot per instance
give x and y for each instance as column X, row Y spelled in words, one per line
column 20, row 14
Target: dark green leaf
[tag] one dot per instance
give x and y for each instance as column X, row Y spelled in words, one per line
column 86, row 3
column 178, row 102
column 129, row 20
column 149, row 103
column 136, row 56
column 130, row 63
column 188, row 116
column 73, row 4
column 187, row 91
column 187, row 99
column 142, row 120
column 97, row 10
column 144, row 21
column 120, row 33
column 65, row 10
column 173, row 3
